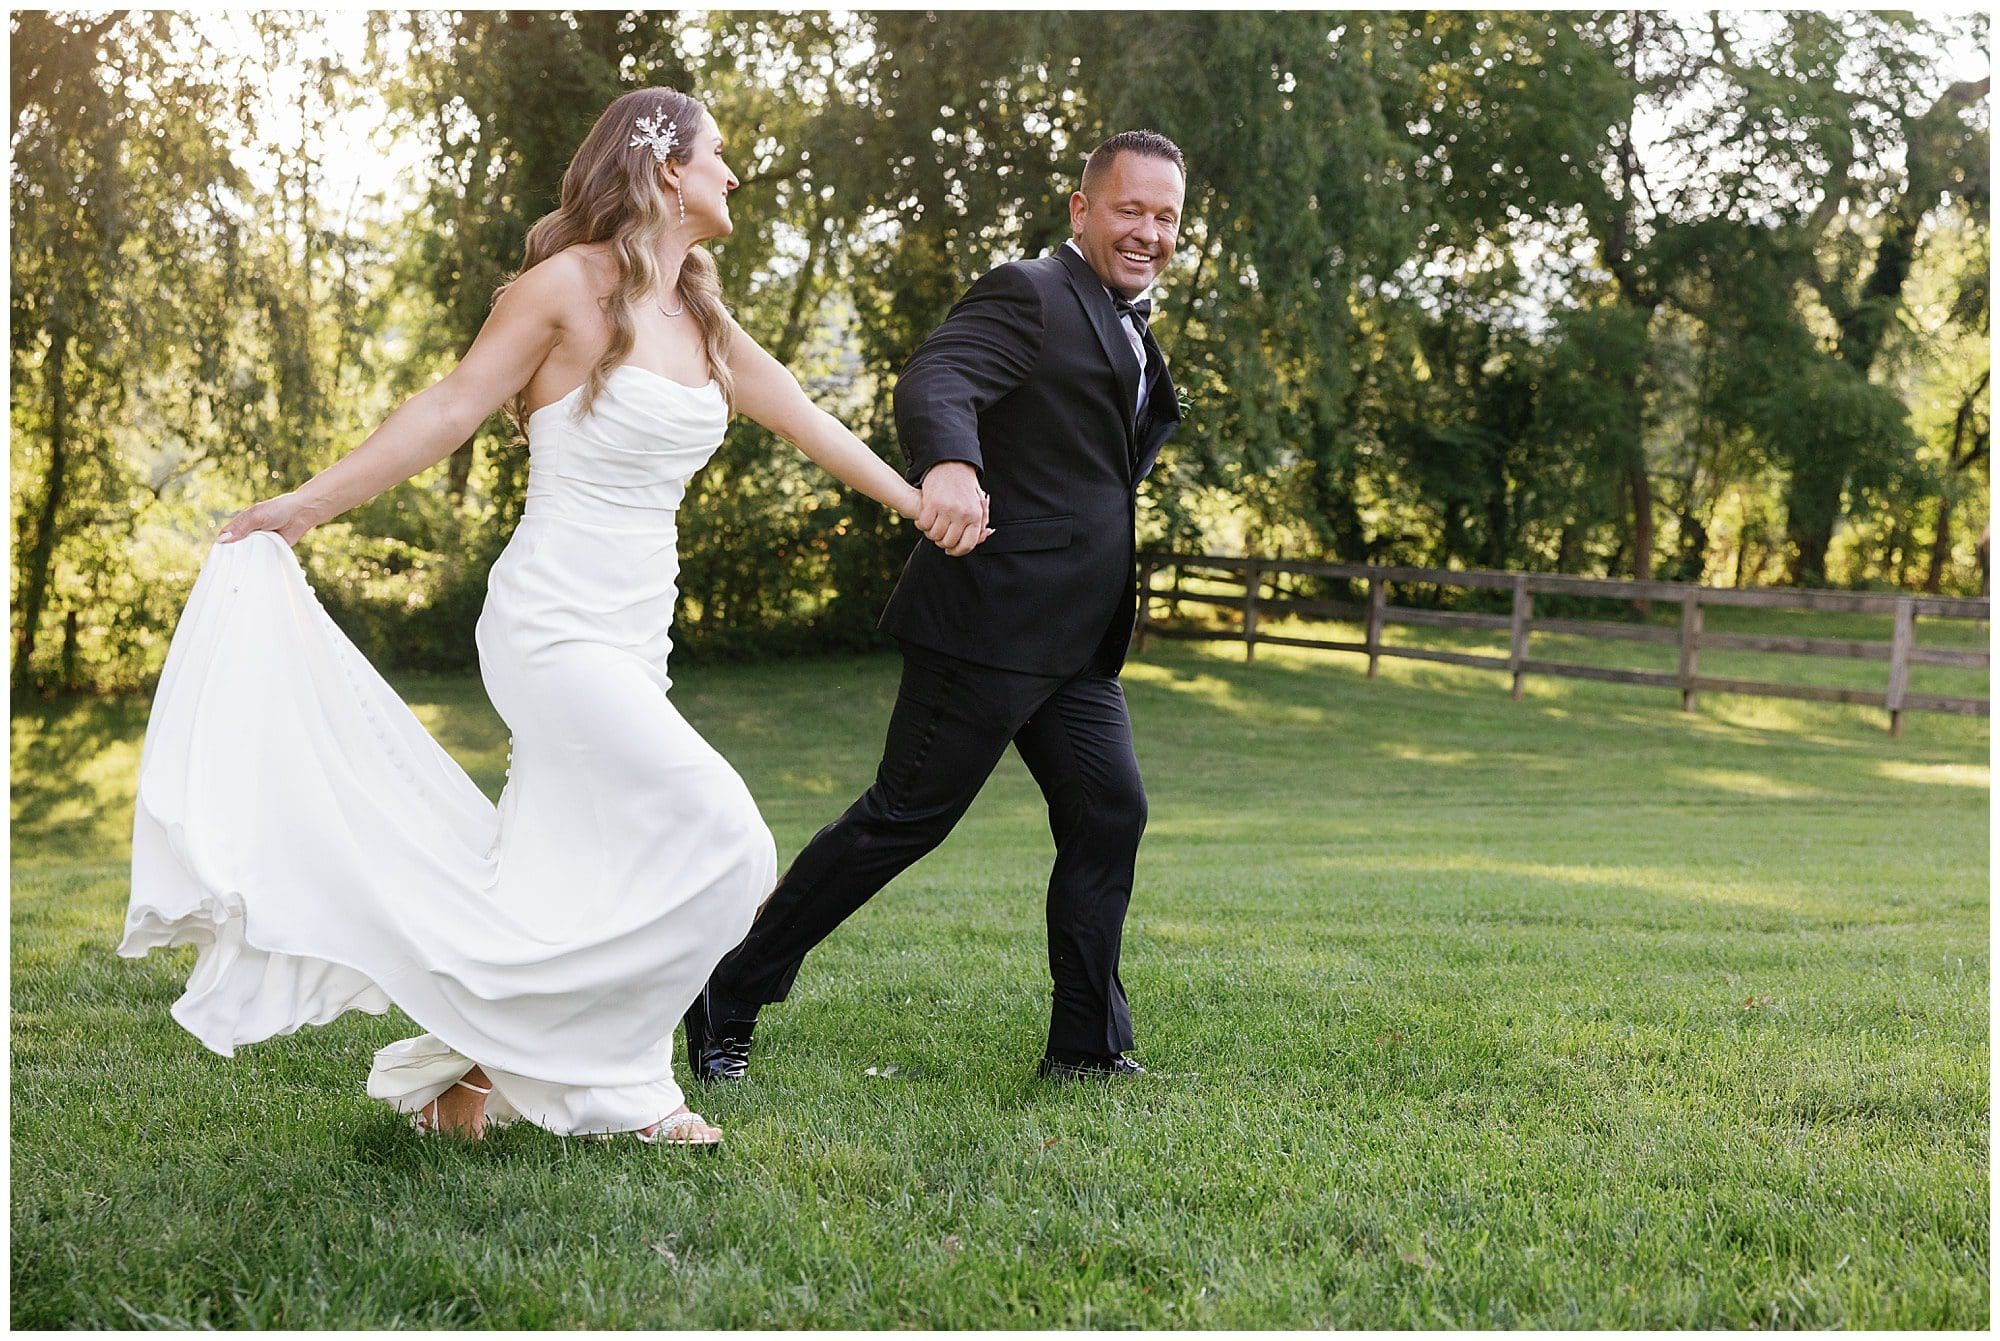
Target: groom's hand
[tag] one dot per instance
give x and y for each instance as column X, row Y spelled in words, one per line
column 953, row 514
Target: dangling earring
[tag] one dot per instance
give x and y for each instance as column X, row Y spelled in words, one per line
column 684, row 204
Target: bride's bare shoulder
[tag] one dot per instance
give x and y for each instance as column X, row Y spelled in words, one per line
column 593, row 262
column 563, row 288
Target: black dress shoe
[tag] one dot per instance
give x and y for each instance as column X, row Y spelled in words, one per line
column 1054, row 1067
column 718, row 1045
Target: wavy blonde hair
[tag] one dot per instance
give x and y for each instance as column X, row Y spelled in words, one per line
column 611, row 193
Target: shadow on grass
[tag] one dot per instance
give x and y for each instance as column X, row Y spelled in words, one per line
column 60, row 786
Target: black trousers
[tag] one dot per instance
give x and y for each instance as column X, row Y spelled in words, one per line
column 951, row 723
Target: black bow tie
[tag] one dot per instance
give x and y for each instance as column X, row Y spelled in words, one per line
column 1142, row 309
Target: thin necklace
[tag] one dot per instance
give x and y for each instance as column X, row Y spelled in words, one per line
column 677, row 311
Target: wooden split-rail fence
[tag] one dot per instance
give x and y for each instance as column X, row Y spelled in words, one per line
column 1252, row 575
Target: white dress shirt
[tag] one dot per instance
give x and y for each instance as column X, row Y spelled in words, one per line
column 1132, row 335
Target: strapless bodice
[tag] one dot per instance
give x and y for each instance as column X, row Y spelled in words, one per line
column 595, row 560
column 627, row 462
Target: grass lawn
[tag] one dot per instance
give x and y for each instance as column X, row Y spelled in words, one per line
column 1572, row 1012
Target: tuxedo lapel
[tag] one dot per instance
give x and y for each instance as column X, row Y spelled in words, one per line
column 1163, row 412
column 1104, row 320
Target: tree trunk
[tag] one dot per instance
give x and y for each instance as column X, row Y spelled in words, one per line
column 1641, row 486
column 41, row 551
column 1694, row 545
column 68, row 679
column 1332, row 486
column 458, row 472
column 1813, row 506
column 1498, row 509
column 1638, row 538
column 1863, row 327
column 1451, row 535
column 794, row 332
column 1640, row 294
column 1957, row 460
column 1940, row 547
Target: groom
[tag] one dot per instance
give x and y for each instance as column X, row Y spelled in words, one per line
column 1043, row 389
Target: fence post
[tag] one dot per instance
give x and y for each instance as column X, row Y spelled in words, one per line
column 1377, row 598
column 1899, row 661
column 1517, row 647
column 1250, row 581
column 1690, row 646
column 1145, row 601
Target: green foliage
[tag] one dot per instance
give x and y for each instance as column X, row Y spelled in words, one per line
column 1588, row 291
column 122, row 241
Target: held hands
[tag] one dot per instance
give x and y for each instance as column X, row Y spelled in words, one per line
column 287, row 514
column 953, row 511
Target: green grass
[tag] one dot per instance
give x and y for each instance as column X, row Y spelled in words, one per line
column 1572, row 1012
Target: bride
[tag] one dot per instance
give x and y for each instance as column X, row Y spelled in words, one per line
column 298, row 825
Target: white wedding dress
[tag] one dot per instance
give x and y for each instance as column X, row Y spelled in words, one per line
column 297, row 823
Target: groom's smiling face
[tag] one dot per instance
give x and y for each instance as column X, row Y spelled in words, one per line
column 1125, row 221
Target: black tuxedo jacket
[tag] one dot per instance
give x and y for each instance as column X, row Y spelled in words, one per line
column 1031, row 379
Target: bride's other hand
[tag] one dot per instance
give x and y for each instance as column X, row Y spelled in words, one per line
column 288, row 514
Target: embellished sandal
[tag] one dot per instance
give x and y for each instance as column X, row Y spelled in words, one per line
column 673, row 1129
column 424, row 1122
column 681, row 1129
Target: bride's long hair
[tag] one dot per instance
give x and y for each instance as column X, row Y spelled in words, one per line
column 611, row 193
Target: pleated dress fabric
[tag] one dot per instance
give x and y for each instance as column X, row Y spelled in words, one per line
column 297, row 823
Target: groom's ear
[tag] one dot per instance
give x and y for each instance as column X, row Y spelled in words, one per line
column 1078, row 207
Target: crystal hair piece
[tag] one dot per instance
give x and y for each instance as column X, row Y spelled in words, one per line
column 658, row 134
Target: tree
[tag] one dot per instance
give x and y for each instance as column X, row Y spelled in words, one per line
column 122, row 211
column 1622, row 292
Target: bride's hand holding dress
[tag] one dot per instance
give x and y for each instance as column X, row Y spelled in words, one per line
column 286, row 514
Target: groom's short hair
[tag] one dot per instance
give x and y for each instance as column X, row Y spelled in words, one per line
column 1148, row 142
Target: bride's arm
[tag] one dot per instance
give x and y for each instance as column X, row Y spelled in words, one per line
column 768, row 393
column 519, row 333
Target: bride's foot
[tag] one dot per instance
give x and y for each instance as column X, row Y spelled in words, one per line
column 680, row 1127
column 459, row 1111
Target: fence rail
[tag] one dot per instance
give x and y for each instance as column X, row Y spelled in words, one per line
column 1376, row 614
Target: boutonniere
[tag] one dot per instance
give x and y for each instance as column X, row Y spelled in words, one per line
column 1182, row 403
